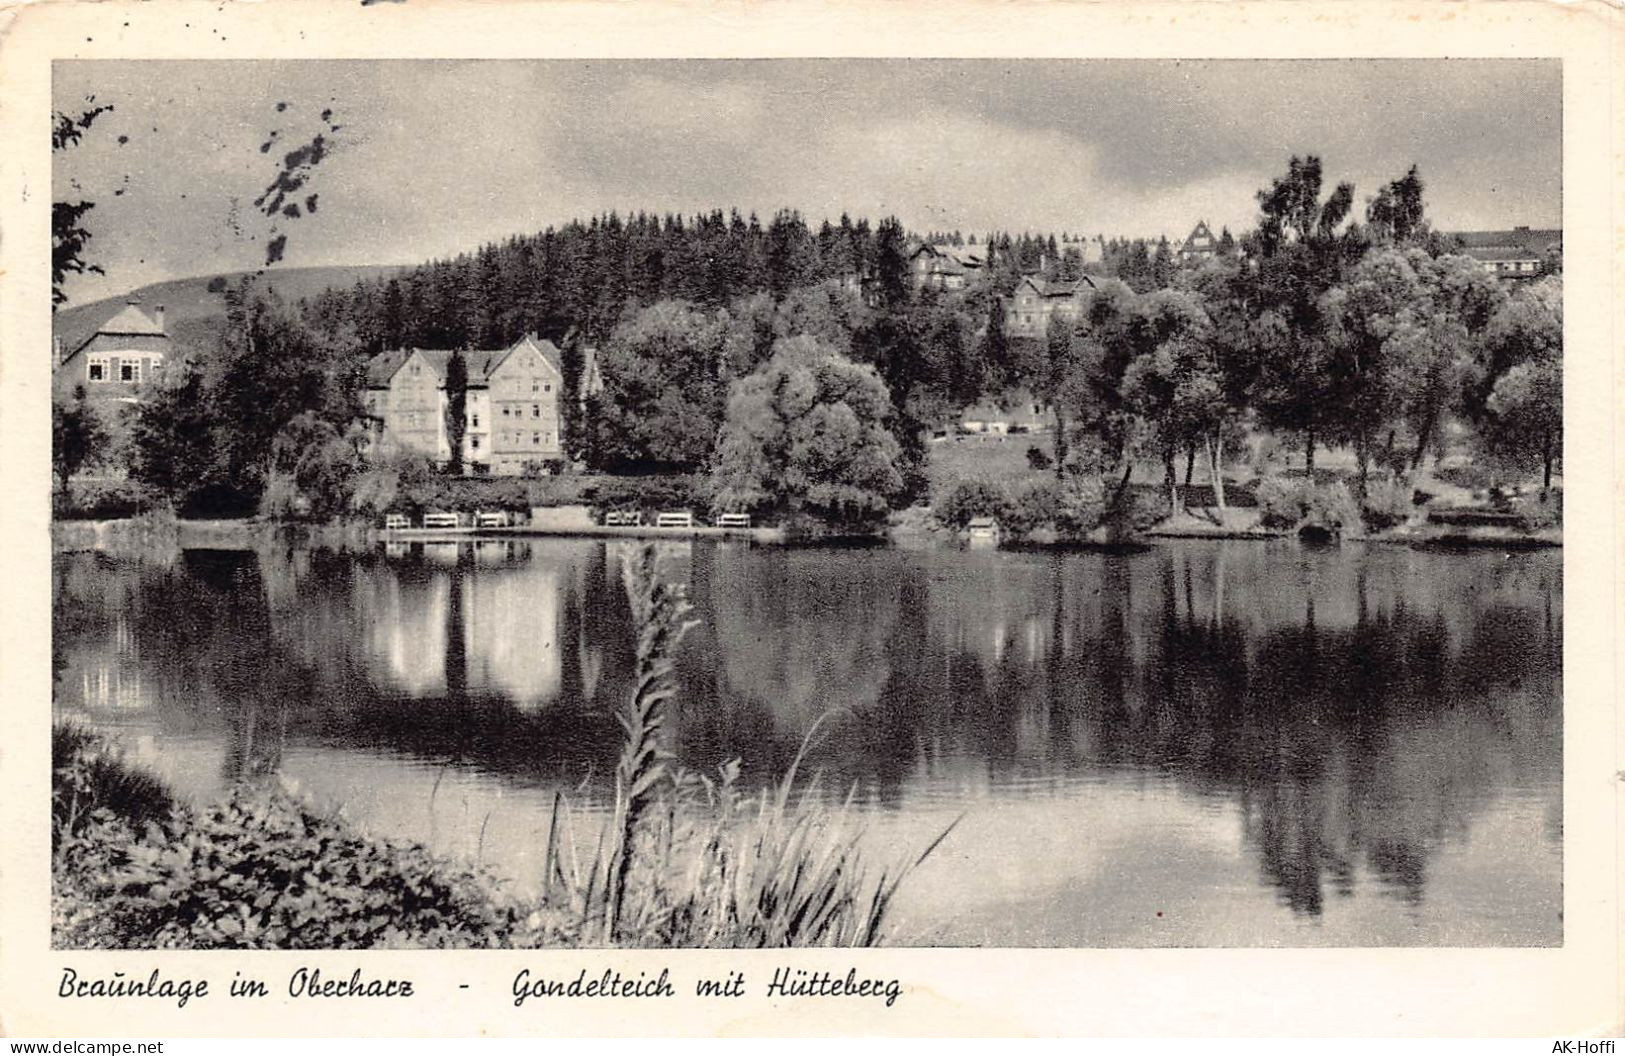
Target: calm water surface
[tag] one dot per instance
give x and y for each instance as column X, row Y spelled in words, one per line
column 1199, row 744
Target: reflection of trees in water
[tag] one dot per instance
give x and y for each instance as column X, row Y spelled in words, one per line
column 1358, row 707
column 788, row 635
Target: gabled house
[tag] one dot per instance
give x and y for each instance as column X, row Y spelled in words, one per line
column 512, row 411
column 942, row 267
column 521, row 402
column 114, row 363
column 1199, row 245
column 1036, row 301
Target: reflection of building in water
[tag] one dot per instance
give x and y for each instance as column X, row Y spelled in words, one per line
column 405, row 621
column 511, row 623
column 104, row 676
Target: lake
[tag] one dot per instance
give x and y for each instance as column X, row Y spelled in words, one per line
column 1197, row 744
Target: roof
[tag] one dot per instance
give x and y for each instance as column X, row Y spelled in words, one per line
column 132, row 320
column 1201, row 232
column 482, row 363
column 1491, row 254
column 1047, row 288
column 949, row 259
column 129, row 321
column 1535, row 241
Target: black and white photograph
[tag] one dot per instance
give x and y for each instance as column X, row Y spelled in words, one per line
column 803, row 502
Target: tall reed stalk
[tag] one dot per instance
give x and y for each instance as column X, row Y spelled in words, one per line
column 686, row 859
column 660, row 612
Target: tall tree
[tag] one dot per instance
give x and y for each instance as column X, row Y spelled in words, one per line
column 665, row 384
column 808, row 433
column 456, row 409
column 890, row 266
column 77, row 437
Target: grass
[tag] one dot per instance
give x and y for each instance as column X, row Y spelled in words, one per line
column 683, row 859
column 686, row 859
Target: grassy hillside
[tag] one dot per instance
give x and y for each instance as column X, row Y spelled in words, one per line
column 190, row 308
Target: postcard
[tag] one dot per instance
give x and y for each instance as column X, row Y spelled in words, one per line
column 565, row 519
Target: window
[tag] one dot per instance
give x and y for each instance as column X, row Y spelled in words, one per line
column 535, row 410
column 536, row 438
column 126, row 372
column 504, row 410
column 547, row 388
column 533, row 384
column 474, row 421
column 474, row 442
column 96, row 372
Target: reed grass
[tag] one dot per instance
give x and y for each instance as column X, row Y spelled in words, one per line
column 689, row 860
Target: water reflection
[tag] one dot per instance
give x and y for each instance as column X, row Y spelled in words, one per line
column 1358, row 715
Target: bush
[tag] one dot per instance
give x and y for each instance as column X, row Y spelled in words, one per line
column 1299, row 503
column 1033, row 506
column 969, row 499
column 652, row 493
column 1387, row 503
column 282, row 500
column 106, row 500
column 259, row 871
column 1038, row 458
column 1081, row 505
column 1280, row 502
column 1330, row 506
column 87, row 776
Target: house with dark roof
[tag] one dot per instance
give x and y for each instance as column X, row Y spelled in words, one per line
column 1036, row 301
column 943, row 267
column 1519, row 254
column 115, row 362
column 513, row 411
column 1199, row 245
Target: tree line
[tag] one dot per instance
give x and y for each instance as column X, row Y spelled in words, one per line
column 722, row 341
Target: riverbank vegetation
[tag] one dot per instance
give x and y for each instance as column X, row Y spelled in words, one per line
column 681, row 859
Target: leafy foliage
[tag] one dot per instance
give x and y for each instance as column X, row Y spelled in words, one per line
column 78, row 437
column 809, row 433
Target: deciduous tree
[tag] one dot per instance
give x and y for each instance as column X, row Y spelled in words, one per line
column 809, row 433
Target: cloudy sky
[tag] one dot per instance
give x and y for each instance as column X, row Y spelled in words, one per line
column 431, row 158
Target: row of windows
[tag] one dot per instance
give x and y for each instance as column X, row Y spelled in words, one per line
column 100, row 369
column 515, row 439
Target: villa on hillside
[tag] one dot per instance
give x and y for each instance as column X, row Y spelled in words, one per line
column 1037, row 300
column 943, row 267
column 1515, row 255
column 117, row 360
column 513, row 411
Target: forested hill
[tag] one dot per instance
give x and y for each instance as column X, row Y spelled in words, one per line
column 190, row 305
column 580, row 277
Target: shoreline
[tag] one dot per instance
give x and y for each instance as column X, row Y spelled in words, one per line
column 135, row 534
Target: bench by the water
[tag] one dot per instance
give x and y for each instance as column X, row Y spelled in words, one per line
column 733, row 520
column 623, row 518
column 491, row 519
column 439, row 519
column 395, row 522
column 674, row 519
